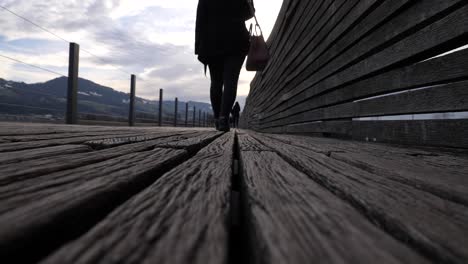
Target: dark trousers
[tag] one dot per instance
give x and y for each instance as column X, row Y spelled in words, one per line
column 235, row 121
column 224, row 72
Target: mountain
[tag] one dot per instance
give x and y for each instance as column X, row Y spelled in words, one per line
column 94, row 101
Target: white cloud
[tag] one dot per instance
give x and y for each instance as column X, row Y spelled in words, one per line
column 153, row 39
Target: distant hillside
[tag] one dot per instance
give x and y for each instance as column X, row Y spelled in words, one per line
column 49, row 98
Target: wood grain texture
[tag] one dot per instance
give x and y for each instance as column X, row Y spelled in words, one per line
column 432, row 72
column 73, row 201
column 368, row 49
column 293, row 220
column 193, row 142
column 443, row 133
column 70, row 134
column 396, row 207
column 440, row 173
column 24, row 155
column 42, row 166
column 393, row 52
column 406, row 132
column 310, row 44
column 15, row 146
column 19, row 128
column 118, row 141
column 450, row 97
column 181, row 218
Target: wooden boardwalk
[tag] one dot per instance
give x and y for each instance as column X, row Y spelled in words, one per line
column 93, row 194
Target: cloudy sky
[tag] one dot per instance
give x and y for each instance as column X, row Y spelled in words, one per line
column 153, row 39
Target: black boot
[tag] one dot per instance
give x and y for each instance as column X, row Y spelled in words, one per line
column 223, row 124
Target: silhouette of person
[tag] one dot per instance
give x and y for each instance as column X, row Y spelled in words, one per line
column 235, row 115
column 222, row 43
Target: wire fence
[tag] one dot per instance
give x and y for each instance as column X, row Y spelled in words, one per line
column 55, row 99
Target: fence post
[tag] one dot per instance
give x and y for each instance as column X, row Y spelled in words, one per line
column 199, row 118
column 160, row 106
column 194, row 114
column 72, row 93
column 186, row 114
column 175, row 111
column 204, row 119
column 131, row 112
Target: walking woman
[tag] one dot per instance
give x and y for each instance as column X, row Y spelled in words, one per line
column 235, row 115
column 222, row 43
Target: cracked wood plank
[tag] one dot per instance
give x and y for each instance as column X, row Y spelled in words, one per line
column 181, row 218
column 15, row 146
column 436, row 227
column 39, row 167
column 293, row 219
column 15, row 129
column 33, row 154
column 72, row 201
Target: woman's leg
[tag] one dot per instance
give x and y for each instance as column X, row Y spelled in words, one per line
column 216, row 89
column 232, row 68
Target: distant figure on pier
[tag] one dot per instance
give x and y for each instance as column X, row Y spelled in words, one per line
column 222, row 43
column 235, row 115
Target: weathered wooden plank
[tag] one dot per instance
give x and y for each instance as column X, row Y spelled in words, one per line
column 181, row 218
column 15, row 146
column 442, row 174
column 114, row 142
column 422, row 42
column 293, row 220
column 290, row 7
column 65, row 135
column 248, row 143
column 386, row 10
column 39, row 167
column 444, row 133
column 23, row 155
column 18, row 193
column 337, row 128
column 448, row 29
column 440, row 70
column 191, row 143
column 434, row 226
column 312, row 38
column 406, row 132
column 15, row 129
column 44, row 223
column 441, row 98
column 309, row 16
column 296, row 25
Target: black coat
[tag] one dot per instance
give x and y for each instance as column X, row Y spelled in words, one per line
column 235, row 110
column 220, row 28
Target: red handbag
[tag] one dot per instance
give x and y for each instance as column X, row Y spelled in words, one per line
column 258, row 55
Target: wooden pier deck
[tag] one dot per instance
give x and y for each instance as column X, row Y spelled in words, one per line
column 94, row 194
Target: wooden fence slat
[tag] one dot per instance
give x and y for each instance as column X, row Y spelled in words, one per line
column 444, row 133
column 441, row 133
column 440, row 70
column 447, row 28
column 310, row 38
column 442, row 98
column 362, row 29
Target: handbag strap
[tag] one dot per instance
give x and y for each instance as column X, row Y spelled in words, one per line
column 252, row 9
